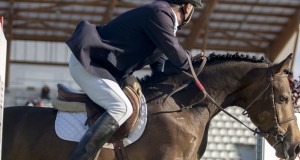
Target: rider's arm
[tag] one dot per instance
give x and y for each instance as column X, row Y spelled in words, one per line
column 159, row 64
column 160, row 29
column 163, row 65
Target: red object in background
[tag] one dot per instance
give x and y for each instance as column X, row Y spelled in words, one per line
column 2, row 21
column 295, row 89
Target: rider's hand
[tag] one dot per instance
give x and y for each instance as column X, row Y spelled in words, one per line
column 170, row 68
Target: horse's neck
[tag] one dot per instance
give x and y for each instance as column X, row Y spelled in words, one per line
column 225, row 82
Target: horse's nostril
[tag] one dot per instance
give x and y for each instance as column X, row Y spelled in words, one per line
column 297, row 149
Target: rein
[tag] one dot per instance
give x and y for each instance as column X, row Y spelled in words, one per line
column 194, row 76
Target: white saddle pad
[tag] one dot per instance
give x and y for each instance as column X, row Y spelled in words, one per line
column 70, row 126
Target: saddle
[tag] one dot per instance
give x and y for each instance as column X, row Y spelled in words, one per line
column 133, row 91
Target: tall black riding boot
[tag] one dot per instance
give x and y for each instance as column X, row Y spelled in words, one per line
column 96, row 136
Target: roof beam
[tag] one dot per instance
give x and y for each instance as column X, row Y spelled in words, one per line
column 64, row 3
column 251, row 31
column 231, row 48
column 84, row 3
column 47, row 11
column 278, row 44
column 261, row 4
column 249, row 22
column 40, row 38
column 46, row 28
column 57, row 19
column 251, row 13
column 39, row 63
column 228, row 38
column 199, row 25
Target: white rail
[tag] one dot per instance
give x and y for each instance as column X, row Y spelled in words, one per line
column 3, row 45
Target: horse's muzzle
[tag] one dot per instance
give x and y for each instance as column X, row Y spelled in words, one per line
column 293, row 152
column 296, row 152
column 297, row 149
column 287, row 153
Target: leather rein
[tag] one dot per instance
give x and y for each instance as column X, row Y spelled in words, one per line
column 279, row 138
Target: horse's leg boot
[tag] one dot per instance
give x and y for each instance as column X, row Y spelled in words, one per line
column 96, row 136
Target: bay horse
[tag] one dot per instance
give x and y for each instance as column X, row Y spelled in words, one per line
column 260, row 88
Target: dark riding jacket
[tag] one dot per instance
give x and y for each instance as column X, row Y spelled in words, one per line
column 127, row 43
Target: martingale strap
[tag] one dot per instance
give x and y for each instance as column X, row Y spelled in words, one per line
column 120, row 152
column 194, row 74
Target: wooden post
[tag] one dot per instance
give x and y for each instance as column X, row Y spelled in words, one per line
column 279, row 43
column 296, row 46
column 9, row 35
column 199, row 25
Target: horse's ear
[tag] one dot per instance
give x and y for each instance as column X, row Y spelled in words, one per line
column 279, row 68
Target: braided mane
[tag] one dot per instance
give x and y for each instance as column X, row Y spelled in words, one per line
column 231, row 57
column 153, row 79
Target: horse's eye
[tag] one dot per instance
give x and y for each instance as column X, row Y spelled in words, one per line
column 284, row 99
column 288, row 72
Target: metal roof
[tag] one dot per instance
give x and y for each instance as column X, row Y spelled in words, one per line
column 262, row 26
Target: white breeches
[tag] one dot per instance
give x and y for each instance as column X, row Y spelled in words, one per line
column 106, row 93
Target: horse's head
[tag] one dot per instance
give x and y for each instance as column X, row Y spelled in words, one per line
column 272, row 111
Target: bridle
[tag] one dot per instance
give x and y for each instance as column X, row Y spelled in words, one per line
column 279, row 137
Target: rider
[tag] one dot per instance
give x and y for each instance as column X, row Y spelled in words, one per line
column 104, row 55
